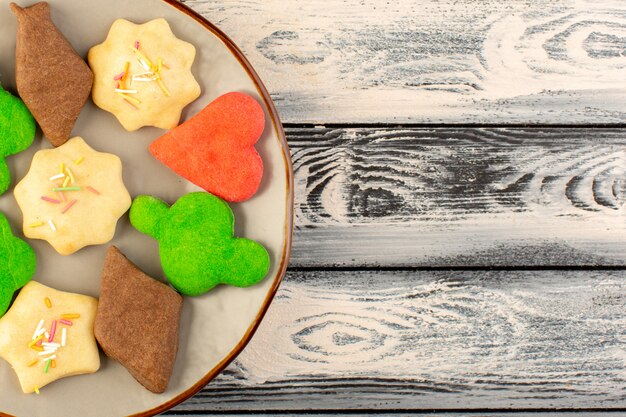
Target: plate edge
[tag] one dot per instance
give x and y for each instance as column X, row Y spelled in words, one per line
column 288, row 227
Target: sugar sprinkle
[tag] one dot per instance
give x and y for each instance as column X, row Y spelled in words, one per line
column 53, row 330
column 93, row 190
column 66, row 189
column 50, row 200
column 119, row 90
column 39, row 327
column 70, row 174
column 68, row 206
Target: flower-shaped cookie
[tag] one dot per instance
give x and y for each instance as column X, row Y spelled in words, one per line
column 48, row 335
column 72, row 196
column 143, row 74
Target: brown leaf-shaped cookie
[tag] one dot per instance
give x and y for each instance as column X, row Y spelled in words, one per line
column 137, row 321
column 52, row 79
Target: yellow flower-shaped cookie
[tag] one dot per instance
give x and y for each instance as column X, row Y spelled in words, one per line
column 142, row 74
column 72, row 196
column 48, row 335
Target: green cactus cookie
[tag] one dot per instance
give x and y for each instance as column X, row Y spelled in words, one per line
column 17, row 264
column 17, row 131
column 196, row 243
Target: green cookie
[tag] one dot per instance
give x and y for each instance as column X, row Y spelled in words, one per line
column 196, row 243
column 17, row 264
column 17, row 131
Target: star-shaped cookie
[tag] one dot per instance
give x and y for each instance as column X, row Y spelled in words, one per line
column 48, row 335
column 72, row 196
column 143, row 74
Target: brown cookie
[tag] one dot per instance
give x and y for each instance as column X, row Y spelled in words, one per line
column 137, row 321
column 52, row 79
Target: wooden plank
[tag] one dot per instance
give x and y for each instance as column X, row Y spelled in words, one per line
column 391, row 413
column 583, row 413
column 420, row 340
column 421, row 61
column 459, row 196
column 395, row 414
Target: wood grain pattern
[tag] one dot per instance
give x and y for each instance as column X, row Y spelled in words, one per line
column 422, row 61
column 459, row 196
column 392, row 413
column 432, row 340
column 370, row 340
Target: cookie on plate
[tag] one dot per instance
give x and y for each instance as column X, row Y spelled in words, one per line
column 137, row 321
column 52, row 79
column 17, row 264
column 17, row 131
column 215, row 148
column 196, row 244
column 72, row 196
column 48, row 335
column 143, row 74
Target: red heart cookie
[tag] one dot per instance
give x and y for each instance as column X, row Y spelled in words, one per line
column 215, row 148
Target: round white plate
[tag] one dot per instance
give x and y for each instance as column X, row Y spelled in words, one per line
column 214, row 327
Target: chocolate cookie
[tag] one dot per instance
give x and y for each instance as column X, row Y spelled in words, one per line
column 137, row 321
column 52, row 79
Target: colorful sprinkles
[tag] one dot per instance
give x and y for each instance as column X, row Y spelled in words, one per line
column 64, row 181
column 152, row 73
column 43, row 341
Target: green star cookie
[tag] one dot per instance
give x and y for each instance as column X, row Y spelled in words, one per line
column 17, row 264
column 196, row 243
column 17, row 131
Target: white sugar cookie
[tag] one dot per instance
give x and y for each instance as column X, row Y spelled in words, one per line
column 143, row 74
column 69, row 347
column 72, row 196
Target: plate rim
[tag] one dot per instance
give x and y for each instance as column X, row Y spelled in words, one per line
column 288, row 226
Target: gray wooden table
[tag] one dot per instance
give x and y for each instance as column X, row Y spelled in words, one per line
column 460, row 182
